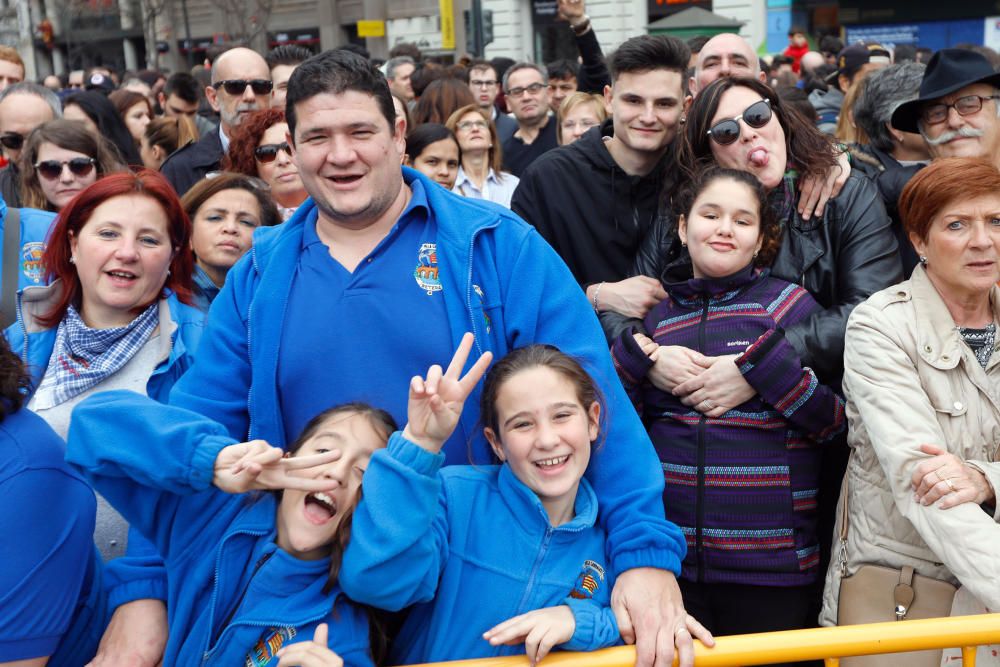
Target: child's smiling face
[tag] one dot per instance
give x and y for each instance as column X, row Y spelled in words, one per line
column 545, row 435
column 307, row 522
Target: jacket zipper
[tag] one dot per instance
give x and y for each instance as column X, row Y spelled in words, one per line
column 239, row 601
column 542, row 550
column 215, row 580
column 250, row 410
column 700, row 504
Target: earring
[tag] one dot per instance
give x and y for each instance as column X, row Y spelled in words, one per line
column 168, row 273
column 684, row 244
column 683, row 120
column 923, row 260
column 755, row 253
column 72, row 260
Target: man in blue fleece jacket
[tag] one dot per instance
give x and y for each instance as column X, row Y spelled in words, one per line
column 377, row 276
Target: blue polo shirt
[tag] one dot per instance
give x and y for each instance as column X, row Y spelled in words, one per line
column 361, row 336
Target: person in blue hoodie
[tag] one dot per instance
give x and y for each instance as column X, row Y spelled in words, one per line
column 52, row 601
column 252, row 579
column 543, row 580
column 29, row 236
column 378, row 275
column 115, row 312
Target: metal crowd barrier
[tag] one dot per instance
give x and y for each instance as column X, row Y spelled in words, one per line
column 965, row 632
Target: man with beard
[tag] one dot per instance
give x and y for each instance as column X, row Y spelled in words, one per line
column 241, row 83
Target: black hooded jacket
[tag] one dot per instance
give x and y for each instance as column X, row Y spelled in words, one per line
column 589, row 210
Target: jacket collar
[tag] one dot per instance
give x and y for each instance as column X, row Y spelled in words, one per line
column 527, row 507
column 686, row 289
column 939, row 342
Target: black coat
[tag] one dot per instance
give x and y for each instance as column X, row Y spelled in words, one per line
column 189, row 164
column 842, row 259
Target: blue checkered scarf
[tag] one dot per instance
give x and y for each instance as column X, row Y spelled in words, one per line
column 83, row 357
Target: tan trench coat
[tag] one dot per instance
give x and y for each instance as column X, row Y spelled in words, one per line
column 911, row 379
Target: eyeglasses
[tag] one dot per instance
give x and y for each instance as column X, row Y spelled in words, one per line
column 266, row 153
column 239, row 86
column 521, row 90
column 52, row 169
column 483, row 83
column 12, row 140
column 756, row 115
column 470, row 124
column 965, row 106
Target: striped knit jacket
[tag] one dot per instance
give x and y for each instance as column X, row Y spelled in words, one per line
column 742, row 486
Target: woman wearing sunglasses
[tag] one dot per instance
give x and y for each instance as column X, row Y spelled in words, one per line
column 60, row 159
column 258, row 148
column 224, row 210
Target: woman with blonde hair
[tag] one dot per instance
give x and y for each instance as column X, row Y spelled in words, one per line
column 578, row 113
column 163, row 136
column 480, row 175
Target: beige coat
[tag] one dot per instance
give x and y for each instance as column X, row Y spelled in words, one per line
column 910, row 379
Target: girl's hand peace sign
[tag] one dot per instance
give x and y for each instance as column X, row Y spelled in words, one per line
column 436, row 401
column 255, row 465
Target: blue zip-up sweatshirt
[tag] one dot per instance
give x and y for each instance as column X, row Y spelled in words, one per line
column 234, row 596
column 35, row 226
column 139, row 574
column 501, row 281
column 474, row 547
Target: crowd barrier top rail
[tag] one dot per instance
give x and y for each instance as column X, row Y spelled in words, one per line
column 965, row 632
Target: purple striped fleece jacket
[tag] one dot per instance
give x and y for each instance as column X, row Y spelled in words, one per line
column 742, row 487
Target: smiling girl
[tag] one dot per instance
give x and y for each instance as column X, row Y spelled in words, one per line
column 740, row 483
column 251, row 580
column 497, row 560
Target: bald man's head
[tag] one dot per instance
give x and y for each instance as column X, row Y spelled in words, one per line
column 241, row 83
column 727, row 54
column 810, row 61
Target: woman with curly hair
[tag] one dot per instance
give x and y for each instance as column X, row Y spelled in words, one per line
column 258, row 148
column 60, row 159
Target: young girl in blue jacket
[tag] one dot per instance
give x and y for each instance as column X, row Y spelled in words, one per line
column 492, row 557
column 251, row 580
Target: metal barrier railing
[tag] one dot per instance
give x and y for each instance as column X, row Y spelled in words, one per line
column 965, row 632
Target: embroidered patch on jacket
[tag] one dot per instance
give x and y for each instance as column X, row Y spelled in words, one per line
column 482, row 302
column 588, row 581
column 426, row 272
column 31, row 261
column 269, row 644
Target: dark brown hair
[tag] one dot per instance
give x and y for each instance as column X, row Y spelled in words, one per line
column 770, row 230
column 207, row 188
column 15, row 381
column 944, row 181
column 535, row 356
column 808, row 150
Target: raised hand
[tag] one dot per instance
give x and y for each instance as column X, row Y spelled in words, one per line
column 316, row 653
column 256, row 465
column 436, row 401
column 540, row 630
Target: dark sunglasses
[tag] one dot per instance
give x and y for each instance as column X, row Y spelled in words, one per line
column 266, row 153
column 52, row 169
column 757, row 115
column 12, row 140
column 237, row 86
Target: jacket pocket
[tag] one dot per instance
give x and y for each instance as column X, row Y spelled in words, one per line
column 911, row 551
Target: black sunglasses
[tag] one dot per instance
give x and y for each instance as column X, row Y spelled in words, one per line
column 266, row 153
column 12, row 140
column 52, row 169
column 237, row 86
column 757, row 115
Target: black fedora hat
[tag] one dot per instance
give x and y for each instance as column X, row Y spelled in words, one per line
column 949, row 70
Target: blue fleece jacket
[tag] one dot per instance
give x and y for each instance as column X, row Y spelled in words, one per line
column 447, row 551
column 35, row 226
column 234, row 596
column 139, row 574
column 501, row 281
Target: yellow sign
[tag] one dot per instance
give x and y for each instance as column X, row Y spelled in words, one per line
column 447, row 24
column 371, row 28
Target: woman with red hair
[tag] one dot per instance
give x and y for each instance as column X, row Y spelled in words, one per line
column 258, row 147
column 116, row 314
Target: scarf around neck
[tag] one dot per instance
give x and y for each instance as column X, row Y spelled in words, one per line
column 84, row 357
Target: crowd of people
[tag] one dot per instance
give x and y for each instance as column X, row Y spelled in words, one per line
column 320, row 360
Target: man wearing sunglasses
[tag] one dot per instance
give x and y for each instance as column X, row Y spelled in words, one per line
column 241, row 83
column 23, row 107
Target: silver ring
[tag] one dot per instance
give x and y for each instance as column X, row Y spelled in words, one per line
column 948, row 481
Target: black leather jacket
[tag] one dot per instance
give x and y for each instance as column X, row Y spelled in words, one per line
column 842, row 259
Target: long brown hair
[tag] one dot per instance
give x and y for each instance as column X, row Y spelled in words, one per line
column 808, row 150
